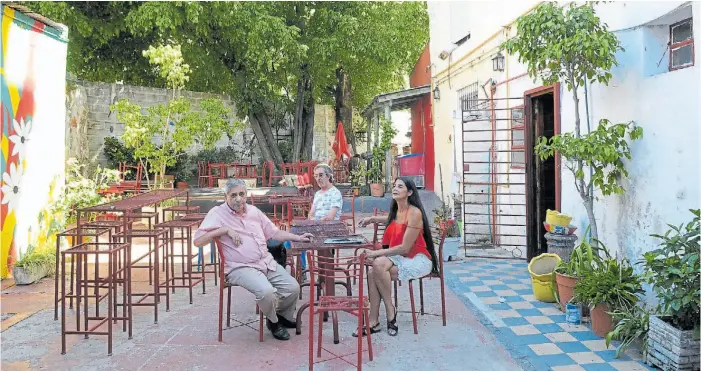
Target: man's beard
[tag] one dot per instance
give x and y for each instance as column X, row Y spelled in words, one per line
column 237, row 207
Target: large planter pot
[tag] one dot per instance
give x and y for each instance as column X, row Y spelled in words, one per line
column 670, row 348
column 181, row 185
column 377, row 190
column 565, row 288
column 27, row 276
column 451, row 245
column 601, row 321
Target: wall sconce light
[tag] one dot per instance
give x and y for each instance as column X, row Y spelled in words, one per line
column 498, row 62
column 436, row 93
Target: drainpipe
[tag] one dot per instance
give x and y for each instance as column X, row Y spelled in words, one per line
column 492, row 168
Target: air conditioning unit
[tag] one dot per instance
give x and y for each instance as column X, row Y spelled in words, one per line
column 417, row 179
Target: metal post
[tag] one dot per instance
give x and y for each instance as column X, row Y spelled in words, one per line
column 388, row 154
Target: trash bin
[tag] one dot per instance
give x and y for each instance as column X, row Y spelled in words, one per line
column 542, row 270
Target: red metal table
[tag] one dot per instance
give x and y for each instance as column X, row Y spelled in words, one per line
column 322, row 229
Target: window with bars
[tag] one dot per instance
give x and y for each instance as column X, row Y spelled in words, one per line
column 681, row 45
column 518, row 145
column 468, row 97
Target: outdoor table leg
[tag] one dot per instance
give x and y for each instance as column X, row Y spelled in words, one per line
column 329, row 290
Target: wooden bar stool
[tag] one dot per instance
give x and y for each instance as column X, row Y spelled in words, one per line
column 182, row 231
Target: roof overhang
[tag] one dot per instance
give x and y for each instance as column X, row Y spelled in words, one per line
column 397, row 100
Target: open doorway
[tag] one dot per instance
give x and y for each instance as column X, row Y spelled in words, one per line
column 542, row 177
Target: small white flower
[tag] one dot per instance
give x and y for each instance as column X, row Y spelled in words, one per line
column 21, row 136
column 11, row 187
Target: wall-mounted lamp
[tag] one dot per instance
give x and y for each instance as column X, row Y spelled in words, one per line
column 498, row 62
column 436, row 93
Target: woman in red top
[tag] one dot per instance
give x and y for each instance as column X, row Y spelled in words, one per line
column 410, row 253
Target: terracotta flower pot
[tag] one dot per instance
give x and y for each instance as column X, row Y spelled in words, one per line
column 601, row 321
column 181, row 185
column 565, row 288
column 377, row 190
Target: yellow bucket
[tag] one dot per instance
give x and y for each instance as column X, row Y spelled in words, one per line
column 555, row 218
column 542, row 270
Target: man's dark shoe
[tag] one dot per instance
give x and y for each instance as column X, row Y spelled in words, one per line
column 286, row 322
column 278, row 331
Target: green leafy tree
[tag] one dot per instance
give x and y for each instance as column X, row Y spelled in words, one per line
column 571, row 45
column 259, row 53
column 164, row 132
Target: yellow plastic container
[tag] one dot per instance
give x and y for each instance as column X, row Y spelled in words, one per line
column 542, row 271
column 554, row 217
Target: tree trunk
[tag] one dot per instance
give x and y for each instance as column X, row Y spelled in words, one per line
column 589, row 205
column 585, row 192
column 266, row 141
column 298, row 122
column 308, row 124
column 343, row 107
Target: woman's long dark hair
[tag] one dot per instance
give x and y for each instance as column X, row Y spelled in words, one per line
column 415, row 201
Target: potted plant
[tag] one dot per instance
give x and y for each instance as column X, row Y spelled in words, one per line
column 357, row 177
column 630, row 325
column 674, row 273
column 34, row 265
column 583, row 260
column 375, row 173
column 443, row 219
column 612, row 286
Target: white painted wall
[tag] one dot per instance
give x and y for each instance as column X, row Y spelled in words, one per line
column 664, row 172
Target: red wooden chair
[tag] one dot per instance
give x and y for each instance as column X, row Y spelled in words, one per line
column 320, row 269
column 438, row 239
column 225, row 283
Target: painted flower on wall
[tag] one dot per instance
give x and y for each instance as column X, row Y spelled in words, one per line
column 11, row 187
column 21, row 136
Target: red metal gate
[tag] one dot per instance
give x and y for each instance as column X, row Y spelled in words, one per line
column 494, row 181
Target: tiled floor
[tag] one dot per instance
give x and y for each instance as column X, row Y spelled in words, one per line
column 533, row 332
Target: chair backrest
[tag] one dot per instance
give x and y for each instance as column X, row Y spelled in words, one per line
column 379, row 229
column 222, row 260
column 333, row 267
column 439, row 233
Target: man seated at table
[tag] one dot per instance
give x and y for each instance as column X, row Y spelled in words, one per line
column 243, row 231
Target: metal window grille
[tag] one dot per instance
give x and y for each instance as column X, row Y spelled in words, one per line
column 468, row 97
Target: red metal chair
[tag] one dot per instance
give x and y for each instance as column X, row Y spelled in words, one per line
column 439, row 238
column 320, row 269
column 225, row 283
column 351, row 216
column 204, row 179
column 130, row 185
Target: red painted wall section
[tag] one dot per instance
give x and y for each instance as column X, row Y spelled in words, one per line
column 421, row 120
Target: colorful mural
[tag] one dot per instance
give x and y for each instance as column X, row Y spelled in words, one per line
column 32, row 105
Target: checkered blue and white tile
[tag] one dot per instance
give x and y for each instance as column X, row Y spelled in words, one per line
column 535, row 333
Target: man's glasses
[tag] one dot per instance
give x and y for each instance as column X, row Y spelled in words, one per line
column 240, row 194
column 319, row 176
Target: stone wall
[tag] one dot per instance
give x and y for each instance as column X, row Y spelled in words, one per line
column 89, row 119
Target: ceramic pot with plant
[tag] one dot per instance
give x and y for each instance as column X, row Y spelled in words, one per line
column 584, row 259
column 444, row 221
column 674, row 272
column 609, row 287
